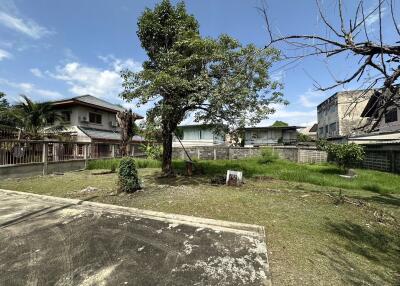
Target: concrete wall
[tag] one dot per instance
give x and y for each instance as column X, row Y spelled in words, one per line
column 36, row 169
column 291, row 153
column 382, row 158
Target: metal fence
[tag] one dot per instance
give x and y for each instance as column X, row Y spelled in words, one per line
column 16, row 152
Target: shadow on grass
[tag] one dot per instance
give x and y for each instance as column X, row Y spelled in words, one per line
column 379, row 245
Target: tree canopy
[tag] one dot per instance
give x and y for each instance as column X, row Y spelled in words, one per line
column 279, row 123
column 218, row 81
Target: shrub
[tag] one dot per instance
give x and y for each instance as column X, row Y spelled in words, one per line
column 127, row 176
column 152, row 151
column 268, row 156
column 345, row 155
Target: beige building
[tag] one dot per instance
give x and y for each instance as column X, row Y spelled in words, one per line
column 340, row 115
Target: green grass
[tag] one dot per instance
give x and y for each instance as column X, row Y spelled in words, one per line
column 310, row 239
column 108, row 163
column 317, row 174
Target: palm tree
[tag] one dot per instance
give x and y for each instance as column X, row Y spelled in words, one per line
column 35, row 119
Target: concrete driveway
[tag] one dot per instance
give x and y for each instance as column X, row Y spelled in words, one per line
column 53, row 241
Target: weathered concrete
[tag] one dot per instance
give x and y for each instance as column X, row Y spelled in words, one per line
column 36, row 169
column 53, row 241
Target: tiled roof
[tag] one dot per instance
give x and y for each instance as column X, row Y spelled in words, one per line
column 90, row 99
column 99, row 134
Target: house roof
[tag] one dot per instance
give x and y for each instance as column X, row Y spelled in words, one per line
column 314, row 128
column 92, row 101
column 99, row 134
column 377, row 137
column 274, row 127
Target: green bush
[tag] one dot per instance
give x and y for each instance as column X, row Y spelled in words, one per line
column 345, row 155
column 127, row 176
column 152, row 151
column 268, row 156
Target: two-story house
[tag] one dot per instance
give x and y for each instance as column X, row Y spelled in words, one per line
column 270, row 135
column 198, row 135
column 339, row 116
column 90, row 119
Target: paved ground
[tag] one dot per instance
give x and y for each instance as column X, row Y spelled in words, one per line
column 49, row 241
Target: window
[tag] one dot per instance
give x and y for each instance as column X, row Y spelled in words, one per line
column 94, row 118
column 66, row 116
column 332, row 128
column 327, row 129
column 391, row 115
column 80, row 149
column 321, row 131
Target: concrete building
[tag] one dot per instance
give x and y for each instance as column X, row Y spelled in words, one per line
column 339, row 116
column 270, row 135
column 387, row 130
column 199, row 135
column 90, row 119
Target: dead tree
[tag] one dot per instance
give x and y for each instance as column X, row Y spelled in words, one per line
column 378, row 61
column 126, row 121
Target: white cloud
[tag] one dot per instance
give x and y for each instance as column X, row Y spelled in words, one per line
column 105, row 83
column 24, row 26
column 311, row 98
column 374, row 17
column 31, row 90
column 36, row 72
column 4, row 55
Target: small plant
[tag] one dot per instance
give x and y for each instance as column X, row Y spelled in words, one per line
column 152, row 151
column 127, row 176
column 268, row 156
column 345, row 155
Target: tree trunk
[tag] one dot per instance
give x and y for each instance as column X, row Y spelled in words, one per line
column 167, row 153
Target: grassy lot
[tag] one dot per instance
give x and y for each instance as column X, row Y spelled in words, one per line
column 317, row 174
column 314, row 237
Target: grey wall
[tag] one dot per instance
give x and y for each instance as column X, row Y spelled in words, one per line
column 36, row 169
column 291, row 153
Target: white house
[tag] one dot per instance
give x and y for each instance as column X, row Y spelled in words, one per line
column 198, row 135
column 270, row 135
column 90, row 119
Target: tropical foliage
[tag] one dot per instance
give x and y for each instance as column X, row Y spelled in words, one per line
column 36, row 119
column 128, row 176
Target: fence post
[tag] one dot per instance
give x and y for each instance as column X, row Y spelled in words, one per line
column 86, row 154
column 198, row 153
column 44, row 157
column 113, row 151
column 298, row 154
column 215, row 153
column 392, row 161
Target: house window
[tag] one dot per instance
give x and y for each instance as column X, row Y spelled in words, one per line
column 80, row 149
column 66, row 116
column 391, row 115
column 326, row 129
column 321, row 131
column 94, row 118
column 332, row 128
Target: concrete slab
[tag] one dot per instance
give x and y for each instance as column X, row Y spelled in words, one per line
column 54, row 241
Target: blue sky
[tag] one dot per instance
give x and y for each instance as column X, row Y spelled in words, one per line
column 57, row 49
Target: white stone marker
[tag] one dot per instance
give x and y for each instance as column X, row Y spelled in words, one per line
column 234, row 178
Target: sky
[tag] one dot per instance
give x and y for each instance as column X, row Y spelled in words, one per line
column 51, row 50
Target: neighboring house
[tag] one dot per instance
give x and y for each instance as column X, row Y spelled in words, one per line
column 310, row 131
column 198, row 135
column 269, row 135
column 90, row 119
column 390, row 120
column 387, row 130
column 339, row 116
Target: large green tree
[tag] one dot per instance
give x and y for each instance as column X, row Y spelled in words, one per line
column 218, row 81
column 6, row 120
